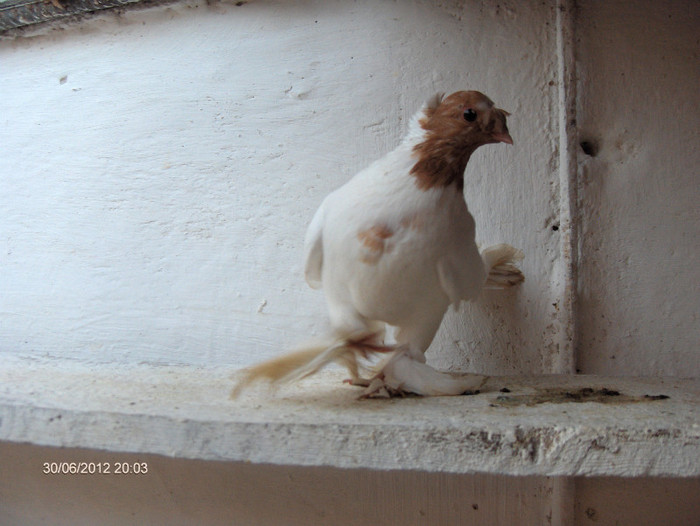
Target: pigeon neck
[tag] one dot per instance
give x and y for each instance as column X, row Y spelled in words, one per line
column 440, row 163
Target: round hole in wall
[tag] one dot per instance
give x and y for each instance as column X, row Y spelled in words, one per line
column 589, row 147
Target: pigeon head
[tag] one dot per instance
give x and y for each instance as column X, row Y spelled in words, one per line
column 454, row 127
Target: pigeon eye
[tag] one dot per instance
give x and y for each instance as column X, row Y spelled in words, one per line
column 469, row 115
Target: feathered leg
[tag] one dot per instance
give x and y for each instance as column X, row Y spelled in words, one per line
column 406, row 371
column 365, row 348
column 405, row 374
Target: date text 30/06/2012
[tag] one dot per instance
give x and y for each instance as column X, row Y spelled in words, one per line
column 95, row 468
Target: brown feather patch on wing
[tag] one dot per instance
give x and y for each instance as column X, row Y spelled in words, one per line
column 374, row 243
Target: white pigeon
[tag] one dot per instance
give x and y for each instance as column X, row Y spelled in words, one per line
column 395, row 247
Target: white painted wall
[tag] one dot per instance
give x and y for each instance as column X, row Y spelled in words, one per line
column 186, row 492
column 640, row 104
column 159, row 171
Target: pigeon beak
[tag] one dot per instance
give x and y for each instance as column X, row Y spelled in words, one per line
column 503, row 137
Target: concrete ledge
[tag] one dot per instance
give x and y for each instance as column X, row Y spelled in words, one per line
column 552, row 425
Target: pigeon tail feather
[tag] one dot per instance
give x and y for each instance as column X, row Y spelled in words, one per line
column 296, row 365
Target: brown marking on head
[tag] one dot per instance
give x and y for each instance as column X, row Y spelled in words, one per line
column 374, row 243
column 454, row 130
